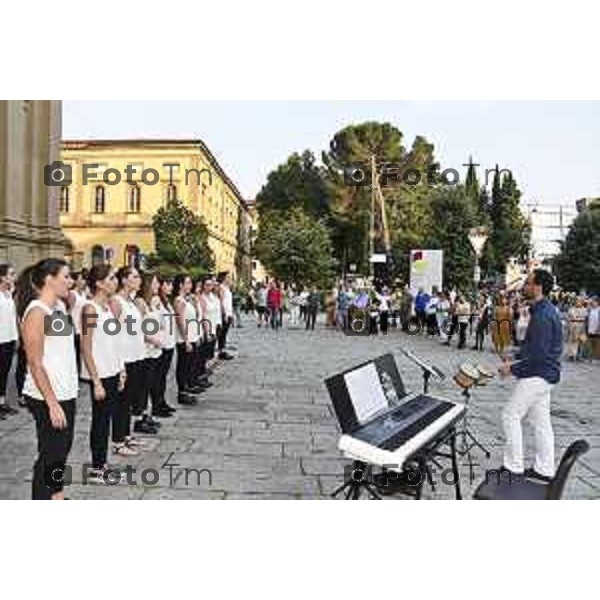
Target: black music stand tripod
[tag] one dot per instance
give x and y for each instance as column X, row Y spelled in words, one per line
column 468, row 439
column 357, row 483
column 428, row 371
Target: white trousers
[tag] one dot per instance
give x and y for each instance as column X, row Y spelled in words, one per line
column 531, row 398
column 294, row 314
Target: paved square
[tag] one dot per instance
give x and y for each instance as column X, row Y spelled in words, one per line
column 267, row 430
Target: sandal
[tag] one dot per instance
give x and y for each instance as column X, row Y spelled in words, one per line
column 134, row 442
column 124, row 450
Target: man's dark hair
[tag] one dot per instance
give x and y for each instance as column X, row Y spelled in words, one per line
column 545, row 279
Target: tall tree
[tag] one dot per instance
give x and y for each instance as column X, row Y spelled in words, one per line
column 472, row 189
column 296, row 248
column 351, row 204
column 577, row 267
column 181, row 241
column 299, row 182
column 453, row 213
column 511, row 230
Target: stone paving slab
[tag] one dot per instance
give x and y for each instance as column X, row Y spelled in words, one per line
column 266, row 429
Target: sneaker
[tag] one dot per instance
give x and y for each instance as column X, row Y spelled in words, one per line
column 186, row 400
column 195, row 390
column 533, row 474
column 226, row 356
column 162, row 412
column 151, row 422
column 7, row 410
column 144, row 427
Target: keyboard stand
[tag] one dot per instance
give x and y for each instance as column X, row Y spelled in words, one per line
column 357, row 483
column 359, row 479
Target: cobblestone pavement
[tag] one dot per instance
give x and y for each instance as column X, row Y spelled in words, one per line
column 267, row 430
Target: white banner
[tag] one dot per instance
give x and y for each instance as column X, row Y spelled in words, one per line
column 426, row 270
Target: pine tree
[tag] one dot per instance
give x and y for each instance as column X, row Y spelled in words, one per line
column 511, row 231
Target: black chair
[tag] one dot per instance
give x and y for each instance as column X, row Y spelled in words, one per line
column 500, row 487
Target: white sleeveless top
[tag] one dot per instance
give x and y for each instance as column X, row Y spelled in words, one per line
column 105, row 347
column 154, row 315
column 8, row 318
column 169, row 325
column 132, row 346
column 80, row 300
column 191, row 318
column 58, row 360
column 213, row 311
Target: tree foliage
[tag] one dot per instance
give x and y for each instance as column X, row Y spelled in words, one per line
column 577, row 267
column 181, row 241
column 296, row 248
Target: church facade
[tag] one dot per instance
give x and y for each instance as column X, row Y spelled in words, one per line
column 30, row 136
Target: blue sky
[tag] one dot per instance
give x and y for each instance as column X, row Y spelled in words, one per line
column 553, row 147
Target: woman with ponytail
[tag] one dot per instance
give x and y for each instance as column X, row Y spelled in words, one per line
column 51, row 383
column 102, row 364
column 160, row 407
column 132, row 350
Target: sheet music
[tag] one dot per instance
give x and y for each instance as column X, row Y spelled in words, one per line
column 366, row 393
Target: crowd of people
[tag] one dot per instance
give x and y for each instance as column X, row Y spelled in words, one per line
column 118, row 331
column 500, row 315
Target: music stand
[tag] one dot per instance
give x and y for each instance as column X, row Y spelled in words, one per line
column 467, row 435
column 427, row 370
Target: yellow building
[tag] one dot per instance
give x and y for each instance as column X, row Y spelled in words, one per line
column 118, row 185
column 30, row 132
column 259, row 274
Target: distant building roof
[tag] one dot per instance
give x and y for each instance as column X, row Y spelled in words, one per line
column 157, row 142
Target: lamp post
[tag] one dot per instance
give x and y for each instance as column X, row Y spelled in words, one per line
column 477, row 237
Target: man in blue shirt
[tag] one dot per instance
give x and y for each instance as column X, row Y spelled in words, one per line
column 421, row 301
column 537, row 369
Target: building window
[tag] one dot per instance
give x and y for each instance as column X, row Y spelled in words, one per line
column 63, row 205
column 132, row 255
column 134, row 200
column 171, row 192
column 254, row 266
column 99, row 204
column 97, row 255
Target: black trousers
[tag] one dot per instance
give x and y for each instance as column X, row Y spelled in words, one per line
column 77, row 339
column 462, row 334
column 383, row 321
column 103, row 413
column 421, row 319
column 222, row 337
column 311, row 316
column 157, row 391
column 21, row 370
column 135, row 386
column 480, row 335
column 145, row 378
column 184, row 369
column 7, row 351
column 54, row 446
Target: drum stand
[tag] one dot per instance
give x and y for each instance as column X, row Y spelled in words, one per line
column 467, row 437
column 357, row 483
